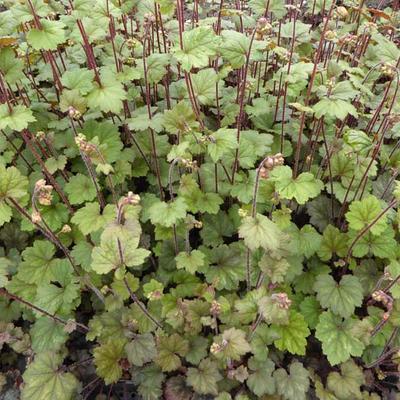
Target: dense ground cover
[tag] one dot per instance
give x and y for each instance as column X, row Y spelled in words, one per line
column 198, row 199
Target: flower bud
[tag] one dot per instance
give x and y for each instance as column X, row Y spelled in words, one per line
column 342, row 12
column 330, row 36
column 36, row 217
column 215, row 308
column 66, row 229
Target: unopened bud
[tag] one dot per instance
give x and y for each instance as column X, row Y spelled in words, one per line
column 198, row 224
column 330, row 35
column 342, row 12
column 282, row 300
column 36, row 217
column 215, row 308
column 242, row 212
column 215, row 348
column 133, row 199
column 43, row 192
column 66, row 229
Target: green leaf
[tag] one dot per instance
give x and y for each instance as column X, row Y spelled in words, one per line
column 108, row 96
column 223, row 141
column 248, row 307
column 341, row 298
column 118, row 248
column 231, row 344
column 180, row 119
column 153, row 290
column 78, row 79
column 48, row 37
column 5, row 213
column 106, row 359
column 333, row 242
column 362, row 213
column 55, row 164
column 274, row 268
column 198, row 46
column 47, row 335
column 338, row 342
column 234, row 48
column 305, row 241
column 260, row 232
column 311, row 310
column 89, row 219
column 157, row 66
column 273, row 309
column 204, row 85
column 141, row 350
column 80, row 189
column 304, row 187
column 55, row 299
column 204, row 378
column 149, row 380
column 226, row 266
column 106, row 138
column 12, row 183
column 292, row 386
column 260, row 380
column 4, row 271
column 169, row 350
column 191, row 262
column 383, row 245
column 167, row 214
column 44, row 379
column 10, row 65
column 17, row 119
column 334, row 109
column 38, row 265
column 293, row 337
column 347, row 383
